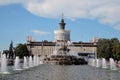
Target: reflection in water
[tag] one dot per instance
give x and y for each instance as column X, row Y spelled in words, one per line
column 61, row 72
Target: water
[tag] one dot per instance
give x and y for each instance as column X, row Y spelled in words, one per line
column 104, row 65
column 4, row 68
column 34, row 60
column 38, row 61
column 112, row 64
column 97, row 63
column 92, row 62
column 30, row 61
column 25, row 64
column 17, row 65
column 61, row 72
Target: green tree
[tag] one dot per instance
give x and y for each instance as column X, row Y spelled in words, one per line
column 11, row 53
column 104, row 48
column 115, row 48
column 21, row 50
column 109, row 48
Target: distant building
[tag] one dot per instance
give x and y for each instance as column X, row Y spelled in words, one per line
column 46, row 47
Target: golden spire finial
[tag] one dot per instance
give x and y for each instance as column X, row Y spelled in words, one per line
column 62, row 15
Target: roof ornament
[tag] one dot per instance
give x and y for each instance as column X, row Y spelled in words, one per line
column 62, row 24
column 62, row 15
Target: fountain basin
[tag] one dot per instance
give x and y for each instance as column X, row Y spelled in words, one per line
column 65, row 60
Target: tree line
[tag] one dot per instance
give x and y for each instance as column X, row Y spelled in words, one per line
column 108, row 48
column 20, row 50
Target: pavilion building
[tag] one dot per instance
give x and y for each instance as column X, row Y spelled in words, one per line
column 61, row 35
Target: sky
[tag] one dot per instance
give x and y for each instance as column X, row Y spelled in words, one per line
column 39, row 18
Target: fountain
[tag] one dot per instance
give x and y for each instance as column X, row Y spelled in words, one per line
column 92, row 62
column 38, row 60
column 41, row 60
column 63, row 55
column 17, row 64
column 25, row 64
column 97, row 63
column 4, row 69
column 112, row 64
column 30, row 61
column 35, row 60
column 104, row 65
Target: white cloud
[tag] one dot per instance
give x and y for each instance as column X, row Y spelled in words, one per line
column 117, row 27
column 40, row 33
column 105, row 11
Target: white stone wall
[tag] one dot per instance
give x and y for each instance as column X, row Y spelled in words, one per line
column 47, row 50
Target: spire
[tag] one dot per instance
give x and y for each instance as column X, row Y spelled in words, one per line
column 62, row 24
column 62, row 16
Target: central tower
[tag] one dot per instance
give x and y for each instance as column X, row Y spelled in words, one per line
column 62, row 24
column 62, row 34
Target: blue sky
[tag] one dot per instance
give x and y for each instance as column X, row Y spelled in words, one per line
column 39, row 19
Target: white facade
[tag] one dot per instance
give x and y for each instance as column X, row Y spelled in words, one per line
column 47, row 50
column 62, row 35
